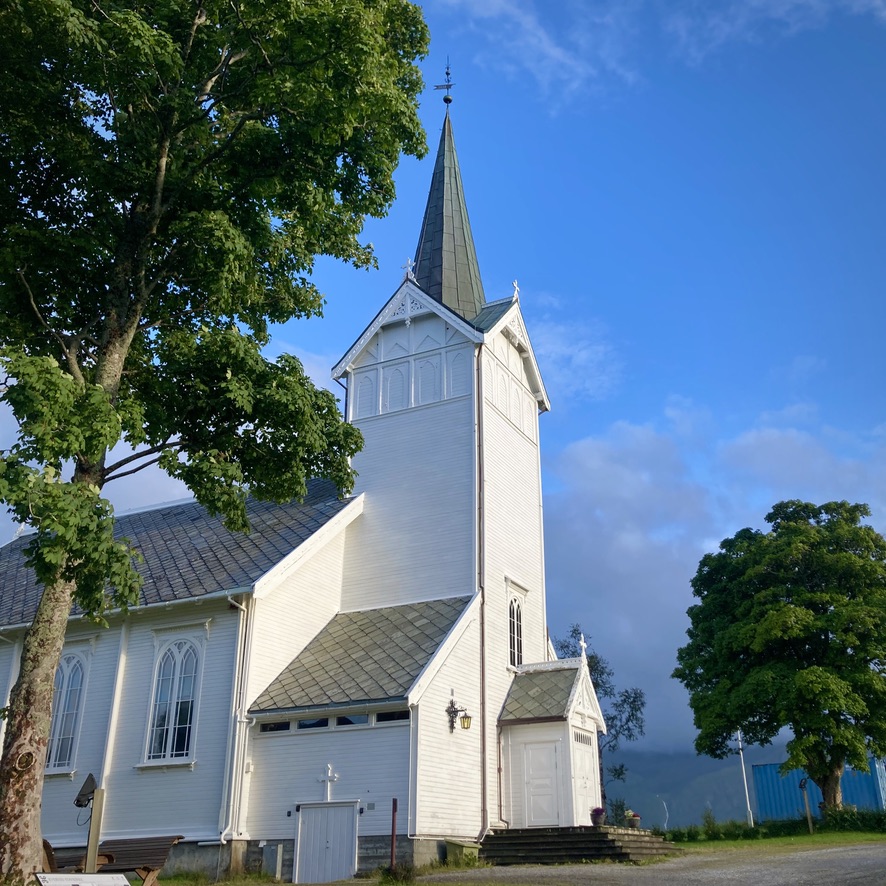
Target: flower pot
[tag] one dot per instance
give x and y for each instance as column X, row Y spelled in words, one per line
column 633, row 822
column 598, row 819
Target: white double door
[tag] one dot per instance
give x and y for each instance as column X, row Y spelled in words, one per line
column 326, row 842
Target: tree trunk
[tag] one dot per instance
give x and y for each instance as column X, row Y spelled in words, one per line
column 831, row 789
column 27, row 735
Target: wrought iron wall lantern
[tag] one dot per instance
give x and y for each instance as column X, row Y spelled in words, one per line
column 453, row 711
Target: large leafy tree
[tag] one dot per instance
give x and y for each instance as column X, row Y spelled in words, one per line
column 790, row 632
column 624, row 710
column 169, row 169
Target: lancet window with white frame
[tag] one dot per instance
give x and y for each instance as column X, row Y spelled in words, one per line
column 515, row 632
column 67, row 707
column 173, row 714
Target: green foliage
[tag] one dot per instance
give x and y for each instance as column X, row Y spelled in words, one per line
column 712, row 830
column 402, row 872
column 851, row 819
column 168, row 174
column 617, row 808
column 693, row 833
column 790, row 631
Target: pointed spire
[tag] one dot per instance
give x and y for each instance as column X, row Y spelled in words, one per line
column 445, row 260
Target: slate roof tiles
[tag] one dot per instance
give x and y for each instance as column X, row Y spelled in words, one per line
column 540, row 694
column 374, row 655
column 188, row 554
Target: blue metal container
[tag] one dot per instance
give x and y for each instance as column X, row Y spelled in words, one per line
column 779, row 796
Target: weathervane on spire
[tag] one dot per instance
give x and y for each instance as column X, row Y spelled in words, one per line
column 447, row 85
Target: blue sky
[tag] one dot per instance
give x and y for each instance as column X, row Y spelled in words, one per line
column 692, row 196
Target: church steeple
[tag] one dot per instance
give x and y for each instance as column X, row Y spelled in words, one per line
column 445, row 260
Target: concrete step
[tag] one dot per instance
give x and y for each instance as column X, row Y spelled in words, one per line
column 561, row 845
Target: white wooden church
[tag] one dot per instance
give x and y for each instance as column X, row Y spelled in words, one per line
column 284, row 689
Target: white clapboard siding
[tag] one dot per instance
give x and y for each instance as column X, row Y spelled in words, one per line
column 448, row 763
column 289, row 617
column 416, row 537
column 98, row 650
column 175, row 799
column 372, row 766
column 514, row 559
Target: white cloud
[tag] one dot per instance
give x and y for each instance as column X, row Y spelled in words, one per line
column 576, row 359
column 700, row 28
column 576, row 45
column 636, row 506
column 565, row 46
column 793, row 414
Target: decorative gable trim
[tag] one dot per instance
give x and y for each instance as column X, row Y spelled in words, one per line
column 512, row 325
column 583, row 698
column 272, row 578
column 407, row 302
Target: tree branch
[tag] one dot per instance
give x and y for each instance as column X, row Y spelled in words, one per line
column 142, row 453
column 70, row 359
column 135, row 470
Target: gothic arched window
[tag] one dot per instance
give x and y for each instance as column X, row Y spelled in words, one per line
column 175, row 695
column 67, row 700
column 515, row 632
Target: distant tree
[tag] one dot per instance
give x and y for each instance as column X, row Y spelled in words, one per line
column 169, row 170
column 623, row 709
column 790, row 632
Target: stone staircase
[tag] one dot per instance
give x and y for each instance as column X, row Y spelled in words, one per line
column 571, row 845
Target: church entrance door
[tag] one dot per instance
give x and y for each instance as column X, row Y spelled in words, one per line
column 542, row 788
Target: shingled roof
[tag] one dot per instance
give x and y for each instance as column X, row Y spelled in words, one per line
column 541, row 694
column 369, row 656
column 188, row 554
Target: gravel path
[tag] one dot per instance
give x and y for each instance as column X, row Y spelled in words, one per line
column 859, row 864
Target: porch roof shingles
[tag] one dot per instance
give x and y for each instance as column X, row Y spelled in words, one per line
column 187, row 553
column 373, row 655
column 539, row 695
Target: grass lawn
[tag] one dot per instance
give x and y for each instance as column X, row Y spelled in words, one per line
column 774, row 845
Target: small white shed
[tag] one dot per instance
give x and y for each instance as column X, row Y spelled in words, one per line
column 550, row 751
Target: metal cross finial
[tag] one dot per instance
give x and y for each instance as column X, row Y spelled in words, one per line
column 410, row 264
column 516, row 290
column 447, row 85
column 583, row 646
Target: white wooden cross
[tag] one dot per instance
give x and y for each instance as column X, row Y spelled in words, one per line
column 328, row 777
column 410, row 264
column 583, row 646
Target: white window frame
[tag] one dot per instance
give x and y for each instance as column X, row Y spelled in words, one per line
column 515, row 595
column 175, row 643
column 65, row 723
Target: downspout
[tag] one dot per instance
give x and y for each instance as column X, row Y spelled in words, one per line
column 233, row 763
column 481, row 583
column 501, row 797
column 412, row 813
column 111, row 737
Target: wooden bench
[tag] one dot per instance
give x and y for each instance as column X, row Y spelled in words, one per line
column 144, row 855
column 63, row 860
